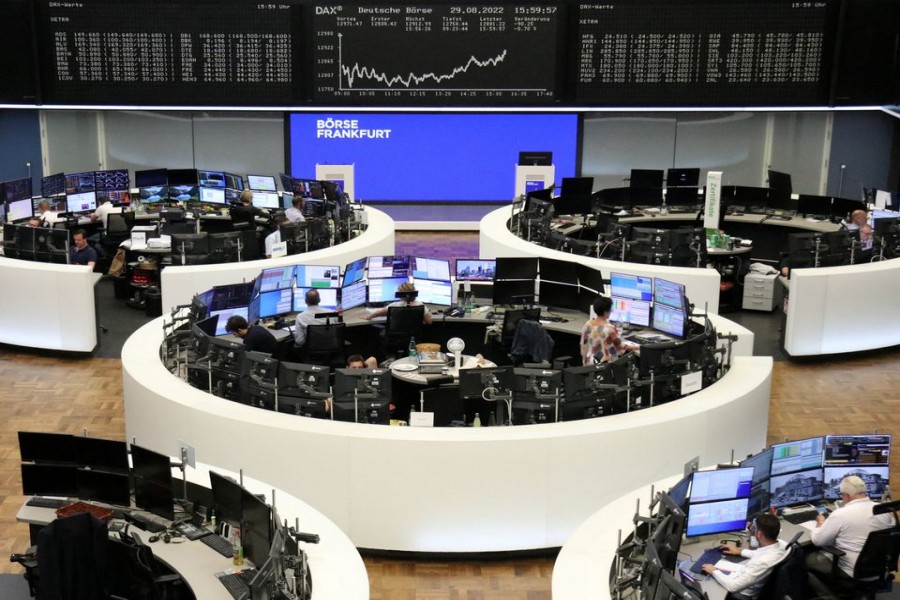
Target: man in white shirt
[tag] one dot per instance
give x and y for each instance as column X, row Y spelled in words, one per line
column 308, row 317
column 47, row 216
column 274, row 237
column 103, row 210
column 846, row 529
column 295, row 214
column 749, row 580
column 857, row 220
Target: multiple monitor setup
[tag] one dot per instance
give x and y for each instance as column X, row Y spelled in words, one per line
column 42, row 244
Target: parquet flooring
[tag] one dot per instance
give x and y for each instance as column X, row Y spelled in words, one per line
column 47, row 393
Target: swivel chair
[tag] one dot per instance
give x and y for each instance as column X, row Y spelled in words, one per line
column 325, row 345
column 403, row 323
column 531, row 343
column 788, row 577
column 873, row 573
column 135, row 573
column 445, row 402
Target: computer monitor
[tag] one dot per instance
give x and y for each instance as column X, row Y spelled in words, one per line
column 16, row 189
column 233, row 295
column 797, row 455
column 276, row 278
column 381, row 267
column 536, row 158
column 516, row 268
column 437, row 269
column 184, row 193
column 212, row 195
column 20, row 210
column 42, row 447
column 225, row 246
column 558, row 271
column 630, row 312
column 475, row 269
column 513, row 291
column 651, row 237
column 153, row 193
column 576, row 186
column 721, row 516
column 355, row 271
column 474, row 384
column 883, row 225
column 226, row 498
column 876, row 478
column 261, row 183
column 151, row 177
column 225, row 314
column 152, row 482
column 81, row 202
column 49, row 480
column 646, row 178
column 813, row 205
column 193, row 244
column 303, row 380
column 253, row 310
column 308, row 188
column 721, row 484
column 100, row 454
column 557, row 295
column 256, row 528
column 267, row 200
column 635, row 287
column 435, row 292
column 385, row 289
column 761, row 464
column 672, row 321
column 201, row 331
column 536, row 395
column 353, row 295
column 328, row 298
column 263, row 584
column 780, row 181
column 101, row 486
column 590, row 278
column 650, row 572
column 668, row 293
column 683, row 177
column 679, row 492
column 590, row 392
column 80, row 182
column 318, row 276
column 276, row 303
column 799, row 487
column 841, row 208
column 667, row 536
column 363, row 395
column 112, row 180
column 864, row 449
column 182, row 177
column 53, row 185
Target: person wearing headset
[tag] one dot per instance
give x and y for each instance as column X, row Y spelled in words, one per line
column 405, row 288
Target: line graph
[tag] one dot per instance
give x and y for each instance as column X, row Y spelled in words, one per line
column 350, row 74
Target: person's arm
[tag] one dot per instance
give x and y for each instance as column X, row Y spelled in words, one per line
column 428, row 318
column 825, row 532
column 372, row 315
column 92, row 258
column 371, row 363
column 752, row 572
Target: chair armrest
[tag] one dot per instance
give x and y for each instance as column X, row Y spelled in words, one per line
column 173, row 578
column 836, row 552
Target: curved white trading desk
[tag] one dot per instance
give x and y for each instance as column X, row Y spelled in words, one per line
column 702, row 285
column 180, row 283
column 446, row 489
column 843, row 309
column 583, row 565
column 48, row 306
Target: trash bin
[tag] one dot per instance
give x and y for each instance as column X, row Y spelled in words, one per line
column 121, row 287
column 153, row 301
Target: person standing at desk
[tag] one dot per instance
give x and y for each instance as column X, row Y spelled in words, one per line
column 846, row 529
column 600, row 341
column 307, row 317
column 409, row 299
column 81, row 252
column 256, row 338
column 295, row 214
column 748, row 582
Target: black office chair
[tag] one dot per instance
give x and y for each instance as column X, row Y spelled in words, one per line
column 531, row 343
column 69, row 560
column 445, row 402
column 511, row 319
column 403, row 323
column 136, row 575
column 788, row 577
column 325, row 345
column 873, row 573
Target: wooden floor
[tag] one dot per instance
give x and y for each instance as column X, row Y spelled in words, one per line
column 40, row 393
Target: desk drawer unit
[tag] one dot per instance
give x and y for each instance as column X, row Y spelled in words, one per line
column 761, row 292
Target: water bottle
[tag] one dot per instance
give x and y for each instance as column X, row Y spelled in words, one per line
column 476, row 422
column 236, row 548
column 413, row 356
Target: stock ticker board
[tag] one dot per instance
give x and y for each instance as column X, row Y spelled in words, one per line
column 436, row 54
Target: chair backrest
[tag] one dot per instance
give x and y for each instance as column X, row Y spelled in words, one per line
column 116, row 225
column 511, row 320
column 133, row 571
column 325, row 344
column 788, row 577
column 72, row 558
column 446, row 404
column 532, row 342
column 403, row 323
column 879, row 555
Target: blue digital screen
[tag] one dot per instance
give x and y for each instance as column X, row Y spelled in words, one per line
column 385, row 290
column 724, row 484
column 355, row 271
column 636, row 287
column 276, row 302
column 431, row 157
column 717, row 517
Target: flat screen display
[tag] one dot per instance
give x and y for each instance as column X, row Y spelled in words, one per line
column 214, row 179
column 797, row 455
column 430, row 268
column 355, row 271
column 434, row 292
column 669, row 320
column 318, row 276
column 184, row 193
column 267, row 200
column 385, row 289
column 632, row 312
column 328, row 298
column 261, row 183
column 81, row 202
column 874, row 449
column 21, row 209
column 668, row 293
column 388, row 266
column 276, row 278
column 403, row 143
column 226, row 314
column 17, row 189
column 112, row 180
column 796, row 488
column 876, row 477
column 475, row 269
column 154, row 193
column 636, row 287
column 353, row 295
column 722, row 484
column 211, row 195
column 275, row 303
column 151, row 177
column 717, row 517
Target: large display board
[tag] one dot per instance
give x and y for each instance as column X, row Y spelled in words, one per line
column 123, row 52
column 18, row 73
column 647, row 52
column 436, row 53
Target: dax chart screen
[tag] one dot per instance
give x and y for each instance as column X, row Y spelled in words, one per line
column 434, row 54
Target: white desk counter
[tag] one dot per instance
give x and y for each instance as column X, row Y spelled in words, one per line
column 702, row 285
column 180, row 283
column 337, row 569
column 48, row 306
column 446, row 489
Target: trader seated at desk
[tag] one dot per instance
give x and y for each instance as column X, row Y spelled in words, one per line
column 600, row 341
column 750, row 578
column 103, row 210
column 407, row 294
column 247, row 205
column 295, row 213
column 256, row 338
column 81, row 252
column 48, row 217
column 308, row 317
column 846, row 529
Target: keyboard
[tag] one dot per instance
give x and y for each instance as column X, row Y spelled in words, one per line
column 44, row 502
column 802, row 516
column 646, row 339
column 237, row 584
column 191, row 531
column 219, row 544
column 709, row 557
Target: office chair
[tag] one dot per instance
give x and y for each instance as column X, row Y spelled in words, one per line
column 873, row 573
column 403, row 323
column 511, row 320
column 788, row 577
column 445, row 402
column 69, row 560
column 531, row 343
column 325, row 345
column 136, row 574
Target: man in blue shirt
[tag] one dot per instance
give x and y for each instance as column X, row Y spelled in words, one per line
column 81, row 253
